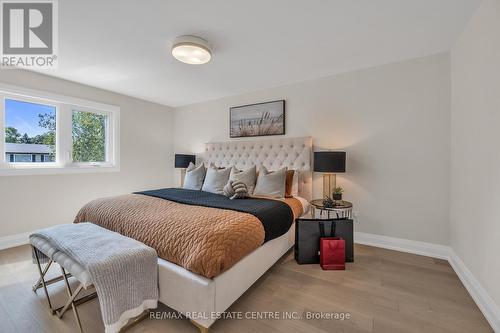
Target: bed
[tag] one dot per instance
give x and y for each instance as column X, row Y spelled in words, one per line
column 195, row 292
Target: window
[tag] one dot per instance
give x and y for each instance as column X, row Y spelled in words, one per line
column 46, row 133
column 20, row 158
column 30, row 130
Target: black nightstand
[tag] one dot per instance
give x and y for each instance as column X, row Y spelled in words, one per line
column 307, row 236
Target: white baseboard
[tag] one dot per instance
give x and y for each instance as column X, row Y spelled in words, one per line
column 486, row 304
column 488, row 307
column 403, row 245
column 14, row 240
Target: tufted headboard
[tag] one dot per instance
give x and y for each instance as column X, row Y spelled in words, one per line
column 293, row 153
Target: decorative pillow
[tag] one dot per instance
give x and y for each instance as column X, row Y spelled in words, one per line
column 270, row 184
column 289, row 183
column 194, row 177
column 235, row 190
column 215, row 179
column 295, row 184
column 248, row 177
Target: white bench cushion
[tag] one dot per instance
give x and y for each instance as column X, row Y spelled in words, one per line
column 69, row 264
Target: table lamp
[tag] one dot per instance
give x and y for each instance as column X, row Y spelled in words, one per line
column 182, row 162
column 330, row 163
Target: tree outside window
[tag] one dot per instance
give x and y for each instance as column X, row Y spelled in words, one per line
column 89, row 137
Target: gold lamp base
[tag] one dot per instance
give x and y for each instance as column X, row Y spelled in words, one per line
column 329, row 184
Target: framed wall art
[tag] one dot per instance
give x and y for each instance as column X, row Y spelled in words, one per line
column 261, row 119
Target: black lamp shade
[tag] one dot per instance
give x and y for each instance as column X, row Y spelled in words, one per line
column 183, row 160
column 329, row 161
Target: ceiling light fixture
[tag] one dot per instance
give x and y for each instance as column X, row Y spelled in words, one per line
column 191, row 50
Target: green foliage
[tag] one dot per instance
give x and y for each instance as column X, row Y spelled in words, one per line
column 338, row 190
column 25, row 139
column 44, row 139
column 89, row 137
column 48, row 121
column 12, row 135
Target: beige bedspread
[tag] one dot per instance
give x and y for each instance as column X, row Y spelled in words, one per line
column 204, row 240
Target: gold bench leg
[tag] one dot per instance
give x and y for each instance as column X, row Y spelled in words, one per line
column 38, row 283
column 42, row 278
column 71, row 301
column 202, row 329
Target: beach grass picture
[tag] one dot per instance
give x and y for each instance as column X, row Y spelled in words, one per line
column 257, row 119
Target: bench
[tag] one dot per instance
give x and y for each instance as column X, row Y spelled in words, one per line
column 45, row 254
column 69, row 267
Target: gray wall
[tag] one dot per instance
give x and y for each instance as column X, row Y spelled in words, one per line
column 475, row 142
column 394, row 122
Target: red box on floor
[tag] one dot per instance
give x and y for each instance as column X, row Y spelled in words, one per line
column 332, row 253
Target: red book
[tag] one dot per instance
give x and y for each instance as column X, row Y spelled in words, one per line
column 332, row 253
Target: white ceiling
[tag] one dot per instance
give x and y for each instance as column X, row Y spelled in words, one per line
column 124, row 46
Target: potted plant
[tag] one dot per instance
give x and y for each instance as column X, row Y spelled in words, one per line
column 337, row 193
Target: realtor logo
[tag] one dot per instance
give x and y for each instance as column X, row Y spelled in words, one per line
column 29, row 33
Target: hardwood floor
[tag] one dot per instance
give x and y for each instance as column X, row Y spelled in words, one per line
column 383, row 291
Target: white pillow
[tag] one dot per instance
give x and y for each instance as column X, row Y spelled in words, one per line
column 194, row 177
column 216, row 179
column 248, row 177
column 270, row 184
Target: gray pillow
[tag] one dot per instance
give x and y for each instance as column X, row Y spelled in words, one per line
column 215, row 180
column 194, row 177
column 248, row 177
column 270, row 184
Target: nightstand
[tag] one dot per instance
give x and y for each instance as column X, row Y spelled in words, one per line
column 341, row 209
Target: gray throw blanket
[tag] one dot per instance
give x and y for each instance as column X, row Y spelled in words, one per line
column 124, row 271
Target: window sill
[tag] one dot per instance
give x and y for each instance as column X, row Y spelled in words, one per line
column 56, row 170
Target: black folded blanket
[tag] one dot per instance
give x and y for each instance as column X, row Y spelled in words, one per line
column 276, row 216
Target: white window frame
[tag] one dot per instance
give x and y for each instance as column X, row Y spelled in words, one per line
column 64, row 137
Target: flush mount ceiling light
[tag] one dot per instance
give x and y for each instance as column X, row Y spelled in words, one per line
column 191, row 50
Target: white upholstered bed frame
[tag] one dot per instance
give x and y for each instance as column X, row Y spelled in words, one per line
column 192, row 294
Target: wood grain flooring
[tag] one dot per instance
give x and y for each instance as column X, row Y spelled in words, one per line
column 383, row 291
